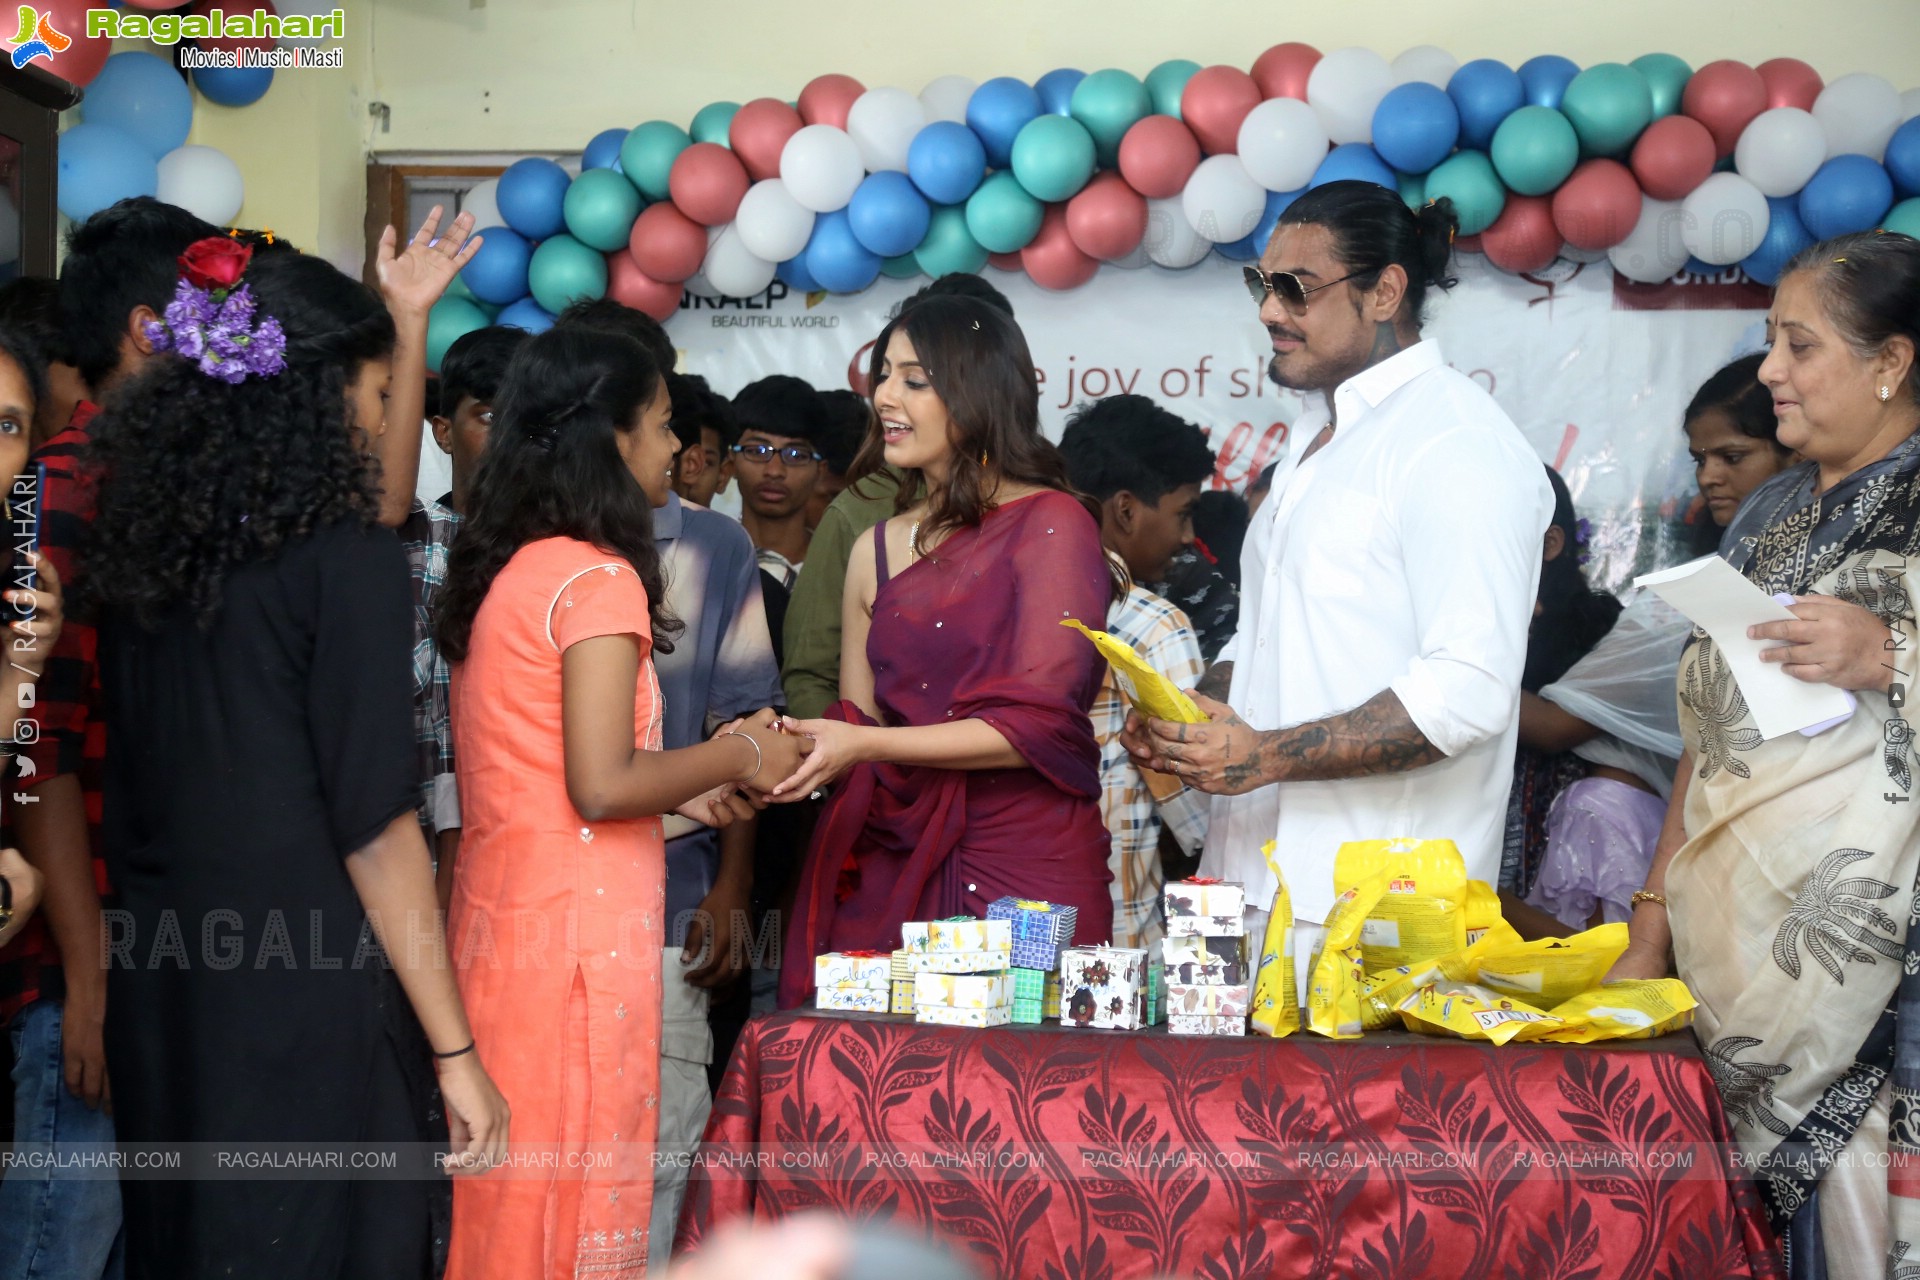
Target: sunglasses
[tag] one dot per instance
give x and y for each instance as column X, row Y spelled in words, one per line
column 1286, row 286
column 794, row 455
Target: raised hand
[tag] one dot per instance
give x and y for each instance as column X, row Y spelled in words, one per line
column 414, row 278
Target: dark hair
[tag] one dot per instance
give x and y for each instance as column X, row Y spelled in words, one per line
column 780, row 405
column 1736, row 390
column 17, row 346
column 697, row 405
column 1129, row 442
column 1574, row 616
column 958, row 284
column 123, row 257
column 474, row 365
column 30, row 308
column 608, row 316
column 203, row 477
column 1220, row 520
column 1869, row 282
column 1263, row 482
column 553, row 469
column 849, row 419
column 1373, row 229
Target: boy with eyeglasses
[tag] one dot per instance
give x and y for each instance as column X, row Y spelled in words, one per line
column 777, row 459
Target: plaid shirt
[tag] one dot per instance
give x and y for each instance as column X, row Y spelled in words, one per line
column 426, row 535
column 1161, row 634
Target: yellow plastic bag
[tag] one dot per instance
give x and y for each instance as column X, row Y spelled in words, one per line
column 1471, row 1012
column 1483, row 909
column 1619, row 1011
column 1551, row 971
column 1149, row 692
column 1423, row 913
column 1383, row 991
column 1276, row 992
column 1333, row 998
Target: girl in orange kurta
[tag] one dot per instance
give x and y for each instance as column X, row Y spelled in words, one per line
column 551, row 613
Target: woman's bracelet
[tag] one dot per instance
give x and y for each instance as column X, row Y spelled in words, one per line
column 1658, row 899
column 758, row 759
column 457, row 1053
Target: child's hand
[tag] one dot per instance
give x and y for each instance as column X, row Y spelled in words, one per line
column 412, row 280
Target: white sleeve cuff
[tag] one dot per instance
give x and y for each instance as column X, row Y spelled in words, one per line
column 1426, row 703
column 446, row 803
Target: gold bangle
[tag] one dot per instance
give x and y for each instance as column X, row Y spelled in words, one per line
column 1643, row 896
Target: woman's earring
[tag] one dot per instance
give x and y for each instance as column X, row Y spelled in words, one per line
column 983, row 456
column 1886, row 394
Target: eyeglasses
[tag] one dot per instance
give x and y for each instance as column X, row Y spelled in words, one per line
column 1286, row 286
column 794, row 455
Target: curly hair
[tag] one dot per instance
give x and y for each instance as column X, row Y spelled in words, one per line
column 553, row 469
column 201, row 478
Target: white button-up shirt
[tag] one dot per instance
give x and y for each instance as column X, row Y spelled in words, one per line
column 1403, row 555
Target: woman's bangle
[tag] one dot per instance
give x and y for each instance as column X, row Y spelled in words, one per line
column 457, row 1053
column 1659, row 899
column 758, row 759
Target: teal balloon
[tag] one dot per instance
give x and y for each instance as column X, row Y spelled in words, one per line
column 949, row 247
column 1609, row 105
column 711, row 122
column 600, row 208
column 1053, row 157
column 1413, row 189
column 1534, row 150
column 449, row 320
column 904, row 267
column 564, row 272
column 1002, row 216
column 1469, row 180
column 1667, row 76
column 1109, row 103
column 1904, row 218
column 457, row 288
column 1166, row 82
column 647, row 156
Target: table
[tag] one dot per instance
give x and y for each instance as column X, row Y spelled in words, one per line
column 1063, row 1153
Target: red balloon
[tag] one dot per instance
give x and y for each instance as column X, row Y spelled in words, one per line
column 205, row 8
column 1214, row 103
column 759, row 134
column 1725, row 96
column 1108, row 219
column 1005, row 261
column 1523, row 238
column 1052, row 258
column 667, row 244
column 707, row 181
column 827, row 99
column 629, row 286
column 1673, row 156
column 1282, row 71
column 1598, row 206
column 1790, row 83
column 1468, row 244
column 1157, row 156
column 81, row 60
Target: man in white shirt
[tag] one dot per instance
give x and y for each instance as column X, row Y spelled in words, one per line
column 1387, row 583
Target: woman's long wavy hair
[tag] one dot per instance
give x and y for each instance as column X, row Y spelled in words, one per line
column 202, row 478
column 552, row 469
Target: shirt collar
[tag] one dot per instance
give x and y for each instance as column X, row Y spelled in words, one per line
column 669, row 520
column 1372, row 385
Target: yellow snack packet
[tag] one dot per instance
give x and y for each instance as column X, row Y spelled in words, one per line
column 1483, row 909
column 1333, row 998
column 1149, row 692
column 1619, row 1011
column 1423, row 912
column 1470, row 1011
column 1384, row 990
column 1276, row 992
column 1551, row 971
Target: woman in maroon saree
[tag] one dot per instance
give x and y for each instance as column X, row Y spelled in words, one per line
column 962, row 752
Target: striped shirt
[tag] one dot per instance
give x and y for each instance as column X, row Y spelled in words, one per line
column 426, row 535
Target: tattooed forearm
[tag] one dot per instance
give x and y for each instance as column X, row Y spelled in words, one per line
column 1376, row 737
column 1215, row 683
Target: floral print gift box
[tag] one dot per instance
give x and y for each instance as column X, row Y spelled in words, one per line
column 1103, row 987
column 1205, row 908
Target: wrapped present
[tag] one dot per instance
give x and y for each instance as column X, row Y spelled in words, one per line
column 903, row 965
column 962, row 933
column 854, row 999
column 902, row 995
column 1205, row 908
column 960, row 961
column 1103, row 987
column 1195, row 959
column 1029, row 1012
column 853, row 969
column 1051, row 1006
column 1156, row 991
column 1205, row 1024
column 939, row 1015
column 1040, row 929
column 962, row 990
column 1186, row 998
column 1031, row 984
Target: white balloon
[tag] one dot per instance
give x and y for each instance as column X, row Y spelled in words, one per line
column 733, row 269
column 1779, row 150
column 1859, row 113
column 1572, row 254
column 9, row 229
column 1282, row 142
column 1654, row 250
column 1133, row 261
column 1724, row 219
column 947, row 97
column 1222, row 202
column 1171, row 240
column 821, row 168
column 882, row 123
column 771, row 223
column 482, row 201
column 204, row 182
column 699, row 286
column 1909, row 105
column 1425, row 62
column 1344, row 88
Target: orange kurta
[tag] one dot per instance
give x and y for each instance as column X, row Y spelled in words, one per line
column 556, row 929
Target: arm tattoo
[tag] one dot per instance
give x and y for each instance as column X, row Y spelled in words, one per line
column 1374, row 738
column 1216, row 682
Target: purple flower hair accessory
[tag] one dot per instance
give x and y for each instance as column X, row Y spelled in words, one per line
column 214, row 327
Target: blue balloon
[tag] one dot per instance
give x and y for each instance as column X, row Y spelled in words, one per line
column 1695, row 267
column 1903, row 158
column 604, row 151
column 531, row 196
column 836, row 259
column 498, row 271
column 1484, row 92
column 1847, row 193
column 947, row 162
column 888, row 215
column 1056, row 90
column 997, row 111
column 1254, row 243
column 233, row 86
column 101, row 165
column 1415, row 126
column 1786, row 236
column 793, row 274
column 1355, row 160
column 525, row 314
column 1546, row 78
column 144, row 98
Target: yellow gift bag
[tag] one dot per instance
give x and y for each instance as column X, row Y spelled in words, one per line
column 1619, row 1011
column 1551, row 971
column 1423, row 913
column 1333, row 998
column 1276, row 993
column 1149, row 692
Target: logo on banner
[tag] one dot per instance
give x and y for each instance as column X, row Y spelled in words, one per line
column 37, row 37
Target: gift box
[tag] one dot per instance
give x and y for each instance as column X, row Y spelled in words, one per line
column 1205, row 1024
column 1040, row 929
column 1220, row 1001
column 902, row 995
column 903, row 965
column 960, row 961
column 962, row 990
column 1103, row 987
column 1205, row 908
column 939, row 1015
column 854, row 999
column 1156, row 992
column 1029, row 1012
column 962, row 933
column 1031, row 984
column 853, row 969
column 1194, row 960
